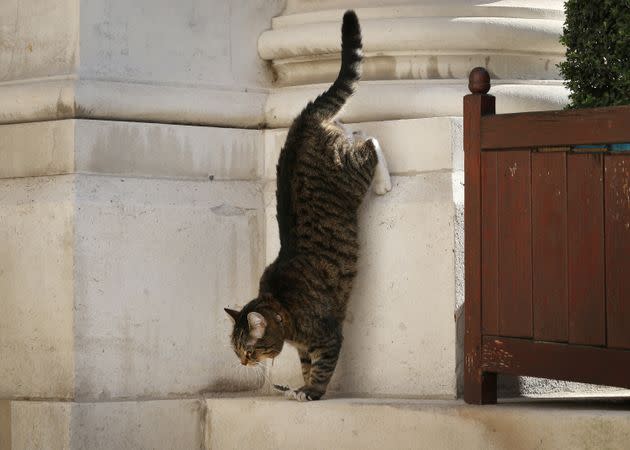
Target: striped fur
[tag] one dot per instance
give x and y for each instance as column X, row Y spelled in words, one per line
column 322, row 178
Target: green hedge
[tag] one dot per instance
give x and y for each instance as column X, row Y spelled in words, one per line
column 597, row 37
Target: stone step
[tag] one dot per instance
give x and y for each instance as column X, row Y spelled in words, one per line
column 262, row 423
column 274, row 423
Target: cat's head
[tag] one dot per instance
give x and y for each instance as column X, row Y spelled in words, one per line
column 257, row 335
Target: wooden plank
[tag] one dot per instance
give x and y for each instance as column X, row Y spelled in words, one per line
column 490, row 244
column 556, row 360
column 549, row 252
column 479, row 387
column 617, row 201
column 554, row 128
column 515, row 244
column 585, row 215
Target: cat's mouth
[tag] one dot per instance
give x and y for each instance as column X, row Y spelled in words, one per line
column 261, row 360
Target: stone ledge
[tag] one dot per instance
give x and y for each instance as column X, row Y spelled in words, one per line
column 444, row 34
column 376, row 100
column 412, row 99
column 129, row 149
column 412, row 146
column 159, row 424
column 365, row 424
column 395, row 65
column 82, row 146
column 304, row 11
column 341, row 423
column 66, row 97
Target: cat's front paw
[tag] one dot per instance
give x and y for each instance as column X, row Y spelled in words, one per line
column 304, row 394
column 382, row 180
column 382, row 184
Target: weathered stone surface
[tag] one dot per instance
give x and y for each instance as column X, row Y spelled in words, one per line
column 36, row 287
column 412, row 146
column 37, row 149
column 144, row 60
column 165, row 424
column 199, row 63
column 40, row 425
column 274, row 422
column 156, row 261
column 162, row 424
column 5, row 425
column 131, row 149
column 40, row 38
column 407, row 424
column 399, row 332
column 114, row 287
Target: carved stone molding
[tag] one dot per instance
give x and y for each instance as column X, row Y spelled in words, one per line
column 418, row 55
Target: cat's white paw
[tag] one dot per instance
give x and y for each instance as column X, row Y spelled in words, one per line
column 382, row 180
column 303, row 394
column 300, row 396
column 382, row 184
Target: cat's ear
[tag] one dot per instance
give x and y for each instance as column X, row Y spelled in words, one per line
column 232, row 313
column 257, row 325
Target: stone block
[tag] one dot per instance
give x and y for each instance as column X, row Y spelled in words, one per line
column 37, row 149
column 130, row 149
column 155, row 263
column 36, row 287
column 162, row 424
column 413, row 424
column 40, row 38
column 412, row 146
column 40, row 425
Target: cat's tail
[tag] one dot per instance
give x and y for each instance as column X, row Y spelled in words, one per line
column 328, row 104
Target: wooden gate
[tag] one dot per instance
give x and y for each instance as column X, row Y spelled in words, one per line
column 547, row 219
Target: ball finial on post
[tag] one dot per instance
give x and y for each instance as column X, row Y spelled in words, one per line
column 479, row 81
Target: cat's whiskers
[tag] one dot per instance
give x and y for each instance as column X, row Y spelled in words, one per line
column 262, row 369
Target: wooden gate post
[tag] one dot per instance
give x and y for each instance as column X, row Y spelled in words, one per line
column 479, row 387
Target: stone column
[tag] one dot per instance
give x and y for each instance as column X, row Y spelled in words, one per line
column 401, row 330
column 418, row 54
column 125, row 232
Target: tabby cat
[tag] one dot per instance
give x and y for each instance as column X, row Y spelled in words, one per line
column 323, row 175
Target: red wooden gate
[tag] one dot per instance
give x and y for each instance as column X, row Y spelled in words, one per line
column 547, row 244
